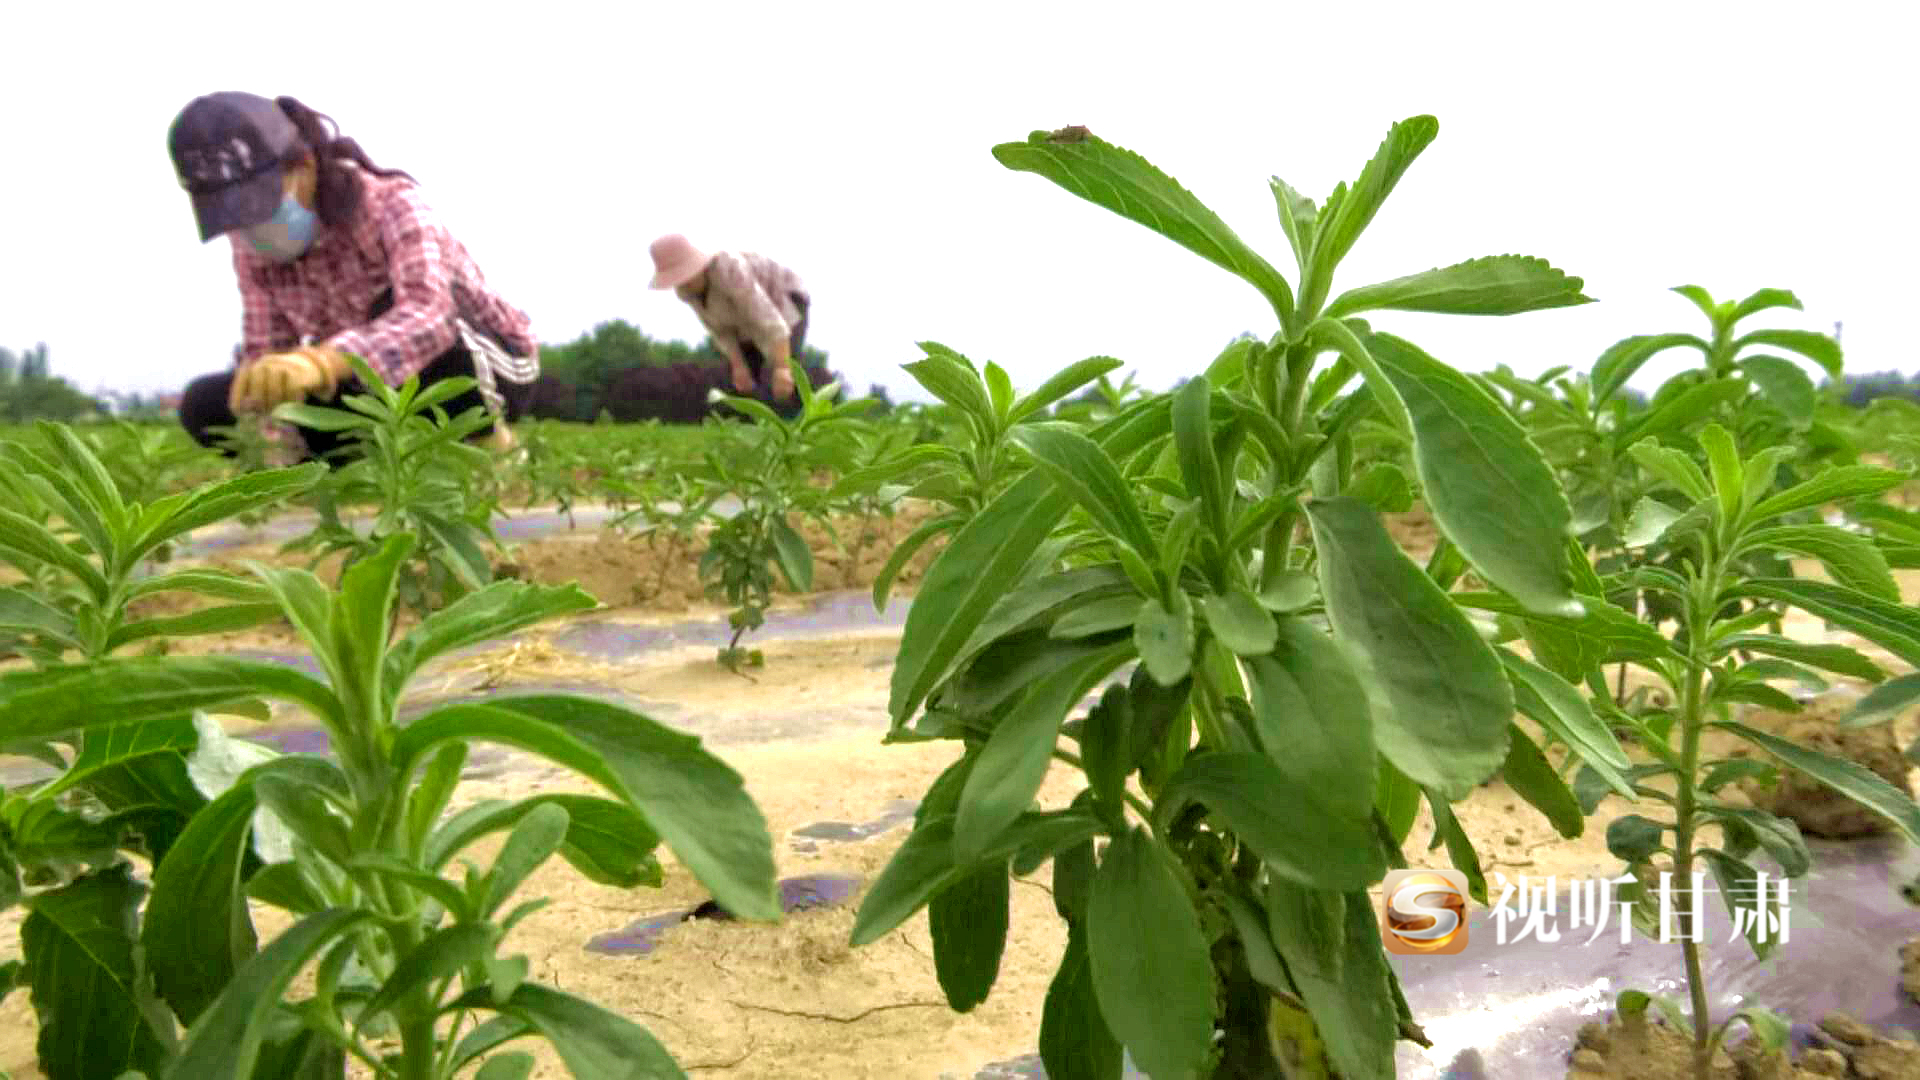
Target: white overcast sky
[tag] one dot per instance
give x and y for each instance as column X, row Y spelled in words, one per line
column 1636, row 145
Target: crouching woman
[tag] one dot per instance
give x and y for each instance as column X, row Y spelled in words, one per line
column 334, row 255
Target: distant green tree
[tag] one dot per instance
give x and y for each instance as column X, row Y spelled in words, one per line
column 30, row 391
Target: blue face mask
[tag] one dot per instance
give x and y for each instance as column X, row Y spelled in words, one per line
column 287, row 234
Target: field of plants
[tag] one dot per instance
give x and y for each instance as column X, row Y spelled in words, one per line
column 1069, row 729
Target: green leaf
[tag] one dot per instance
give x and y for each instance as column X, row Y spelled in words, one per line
column 121, row 690
column 1348, row 211
column 1558, row 706
column 968, row 922
column 426, row 801
column 226, row 499
column 608, row 842
column 1165, row 639
column 1779, row 837
column 1850, row 558
column 1723, row 459
column 1672, row 467
column 1448, row 830
column 951, row 377
column 1835, row 484
column 923, row 865
column 1123, row 182
column 443, row 954
column 1000, row 387
column 593, row 1044
column 1086, row 473
column 498, row 610
column 693, row 800
column 1892, row 626
column 104, row 749
column 1331, row 945
column 222, row 619
column 1625, row 357
column 305, row 811
column 1334, row 334
column 226, row 1040
column 1649, row 522
column 1844, row 777
column 1682, row 411
column 1262, row 806
column 1632, row 838
column 1075, row 1042
column 534, row 839
column 1492, row 285
column 1762, row 299
column 1783, row 384
column 1151, row 972
column 197, row 930
column 1060, row 384
column 795, row 557
column 1102, row 616
column 1884, row 702
column 1199, row 468
column 21, row 612
column 1106, row 743
column 1014, row 762
column 1314, row 720
column 1486, row 484
column 512, row 1065
column 1532, row 777
column 1443, row 702
column 1240, row 622
column 77, row 945
column 1817, row 347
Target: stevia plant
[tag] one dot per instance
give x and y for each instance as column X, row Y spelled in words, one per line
column 1301, row 683
column 768, row 464
column 967, row 474
column 408, row 930
column 412, row 462
column 1593, row 437
column 675, row 511
column 122, row 788
column 1720, row 657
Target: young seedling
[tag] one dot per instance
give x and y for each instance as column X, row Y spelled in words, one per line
column 1715, row 519
column 413, row 464
column 1281, row 678
column 768, row 464
column 371, row 877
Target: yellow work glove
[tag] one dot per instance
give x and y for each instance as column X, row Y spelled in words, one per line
column 294, row 375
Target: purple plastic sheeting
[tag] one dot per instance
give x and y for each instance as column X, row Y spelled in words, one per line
column 796, row 894
column 1511, row 1008
column 833, row 613
column 898, row 812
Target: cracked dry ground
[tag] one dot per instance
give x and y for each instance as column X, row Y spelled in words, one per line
column 794, row 1000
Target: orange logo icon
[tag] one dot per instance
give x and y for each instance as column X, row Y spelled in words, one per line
column 1425, row 912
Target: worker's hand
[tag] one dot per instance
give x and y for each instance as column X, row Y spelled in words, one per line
column 277, row 378
column 782, row 383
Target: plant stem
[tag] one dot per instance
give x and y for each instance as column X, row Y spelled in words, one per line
column 1700, row 611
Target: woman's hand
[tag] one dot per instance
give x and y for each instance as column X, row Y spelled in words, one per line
column 277, row 378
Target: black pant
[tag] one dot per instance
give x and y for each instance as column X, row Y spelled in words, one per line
column 751, row 352
column 204, row 406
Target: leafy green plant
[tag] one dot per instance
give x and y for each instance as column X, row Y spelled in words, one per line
column 1596, row 439
column 768, row 463
column 405, row 941
column 410, row 462
column 678, row 509
column 1720, row 659
column 1300, row 683
column 122, row 788
column 967, row 475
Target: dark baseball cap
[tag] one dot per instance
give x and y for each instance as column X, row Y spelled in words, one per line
column 227, row 148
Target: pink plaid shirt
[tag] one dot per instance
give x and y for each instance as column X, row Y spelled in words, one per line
column 396, row 240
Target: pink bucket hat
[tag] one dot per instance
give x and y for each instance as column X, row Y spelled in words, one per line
column 675, row 261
